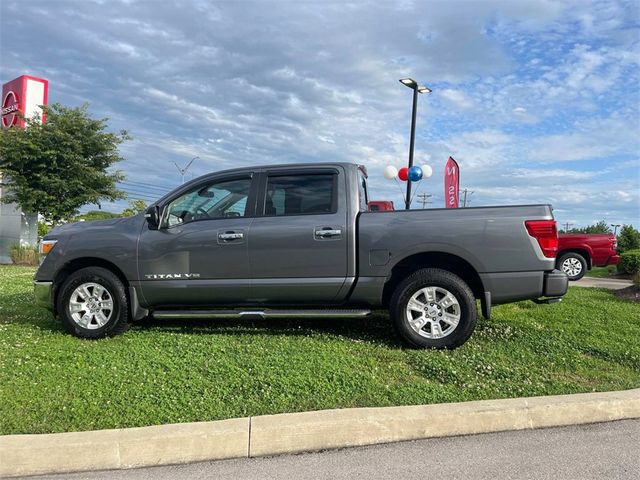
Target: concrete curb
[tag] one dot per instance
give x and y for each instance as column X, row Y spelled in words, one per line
column 300, row 432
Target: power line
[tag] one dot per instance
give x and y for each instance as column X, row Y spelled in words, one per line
column 466, row 202
column 143, row 189
column 146, row 185
column 141, row 195
column 142, row 183
column 139, row 189
column 423, row 198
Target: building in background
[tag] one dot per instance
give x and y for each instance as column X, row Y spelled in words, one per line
column 21, row 97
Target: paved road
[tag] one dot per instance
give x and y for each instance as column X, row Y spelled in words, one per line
column 611, row 283
column 600, row 451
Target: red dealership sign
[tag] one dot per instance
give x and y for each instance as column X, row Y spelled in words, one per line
column 451, row 184
column 23, row 97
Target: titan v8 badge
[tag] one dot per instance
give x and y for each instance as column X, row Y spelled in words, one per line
column 171, row 276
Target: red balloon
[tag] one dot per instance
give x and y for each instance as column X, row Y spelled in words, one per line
column 403, row 174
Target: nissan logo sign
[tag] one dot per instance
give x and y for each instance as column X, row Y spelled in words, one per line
column 10, row 108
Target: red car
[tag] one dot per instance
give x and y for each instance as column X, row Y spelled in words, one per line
column 380, row 206
column 579, row 252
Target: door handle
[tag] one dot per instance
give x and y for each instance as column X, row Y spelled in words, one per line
column 230, row 236
column 328, row 233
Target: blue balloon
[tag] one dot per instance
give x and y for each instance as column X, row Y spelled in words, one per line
column 415, row 174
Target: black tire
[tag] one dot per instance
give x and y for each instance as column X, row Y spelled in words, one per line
column 118, row 318
column 572, row 259
column 434, row 277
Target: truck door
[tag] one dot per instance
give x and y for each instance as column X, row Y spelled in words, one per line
column 298, row 247
column 198, row 255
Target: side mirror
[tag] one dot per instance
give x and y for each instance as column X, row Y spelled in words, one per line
column 152, row 214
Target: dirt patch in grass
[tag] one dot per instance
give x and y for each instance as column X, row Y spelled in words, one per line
column 630, row 293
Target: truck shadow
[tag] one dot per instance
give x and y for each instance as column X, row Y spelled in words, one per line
column 20, row 309
column 375, row 329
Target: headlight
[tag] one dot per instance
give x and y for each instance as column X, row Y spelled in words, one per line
column 46, row 246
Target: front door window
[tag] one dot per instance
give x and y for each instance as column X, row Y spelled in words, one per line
column 220, row 199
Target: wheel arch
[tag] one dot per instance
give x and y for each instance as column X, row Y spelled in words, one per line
column 445, row 261
column 580, row 251
column 78, row 263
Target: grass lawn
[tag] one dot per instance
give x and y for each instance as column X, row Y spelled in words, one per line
column 602, row 272
column 196, row 371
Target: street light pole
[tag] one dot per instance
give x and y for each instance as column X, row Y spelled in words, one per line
column 412, row 84
column 407, row 202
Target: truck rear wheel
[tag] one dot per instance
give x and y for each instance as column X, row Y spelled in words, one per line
column 573, row 264
column 433, row 308
column 93, row 303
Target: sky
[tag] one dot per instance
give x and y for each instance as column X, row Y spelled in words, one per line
column 538, row 101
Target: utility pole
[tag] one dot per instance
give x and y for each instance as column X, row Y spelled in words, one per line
column 184, row 170
column 423, row 198
column 464, row 199
column 566, row 227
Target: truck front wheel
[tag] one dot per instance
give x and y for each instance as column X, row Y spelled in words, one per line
column 433, row 308
column 93, row 303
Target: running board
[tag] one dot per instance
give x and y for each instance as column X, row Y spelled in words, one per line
column 547, row 300
column 260, row 314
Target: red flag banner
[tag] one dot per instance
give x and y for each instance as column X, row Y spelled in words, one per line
column 451, row 184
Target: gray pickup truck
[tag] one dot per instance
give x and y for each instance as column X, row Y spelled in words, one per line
column 298, row 241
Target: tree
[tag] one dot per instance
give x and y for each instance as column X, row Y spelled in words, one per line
column 96, row 215
column 58, row 166
column 628, row 239
column 600, row 227
column 134, row 208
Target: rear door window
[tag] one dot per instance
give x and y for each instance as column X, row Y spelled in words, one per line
column 310, row 194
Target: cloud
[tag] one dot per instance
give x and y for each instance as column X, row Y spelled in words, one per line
column 518, row 87
column 457, row 98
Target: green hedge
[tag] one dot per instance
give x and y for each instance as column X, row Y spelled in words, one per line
column 630, row 262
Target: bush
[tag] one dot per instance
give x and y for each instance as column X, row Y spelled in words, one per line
column 630, row 262
column 628, row 239
column 43, row 229
column 24, row 255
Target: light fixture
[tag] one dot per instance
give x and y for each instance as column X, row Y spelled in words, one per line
column 423, row 89
column 409, row 82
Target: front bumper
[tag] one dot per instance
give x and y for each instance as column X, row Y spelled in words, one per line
column 43, row 292
column 555, row 283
